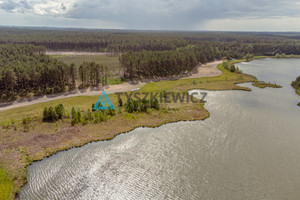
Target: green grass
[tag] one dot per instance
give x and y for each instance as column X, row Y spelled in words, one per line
column 223, row 82
column 212, row 83
column 5, row 186
column 114, row 81
column 261, row 84
column 36, row 110
column 112, row 62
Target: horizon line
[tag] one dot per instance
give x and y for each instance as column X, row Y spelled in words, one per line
column 144, row 30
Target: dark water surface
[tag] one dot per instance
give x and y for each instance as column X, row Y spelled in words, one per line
column 248, row 149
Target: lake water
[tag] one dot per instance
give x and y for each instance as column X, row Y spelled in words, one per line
column 249, row 148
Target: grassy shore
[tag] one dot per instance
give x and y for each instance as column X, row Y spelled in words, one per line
column 298, row 92
column 18, row 149
column 261, row 84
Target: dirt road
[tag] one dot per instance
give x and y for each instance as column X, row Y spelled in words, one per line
column 207, row 70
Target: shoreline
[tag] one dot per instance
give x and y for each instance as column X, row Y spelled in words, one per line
column 205, row 70
column 73, row 137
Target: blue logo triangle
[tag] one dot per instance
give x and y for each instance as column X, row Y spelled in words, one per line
column 103, row 103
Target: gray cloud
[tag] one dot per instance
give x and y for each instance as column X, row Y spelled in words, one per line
column 178, row 14
column 155, row 14
column 10, row 6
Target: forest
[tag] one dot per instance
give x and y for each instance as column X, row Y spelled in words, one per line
column 120, row 41
column 26, row 71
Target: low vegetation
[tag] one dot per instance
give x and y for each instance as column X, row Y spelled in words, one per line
column 283, row 55
column 5, row 185
column 232, row 67
column 46, row 138
column 141, row 106
column 51, row 114
column 261, row 84
column 296, row 85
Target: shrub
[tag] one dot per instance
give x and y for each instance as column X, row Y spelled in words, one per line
column 120, row 102
column 89, row 115
column 226, row 65
column 296, row 83
column 232, row 68
column 9, row 124
column 99, row 116
column 60, row 111
column 140, row 106
column 75, row 116
column 155, row 104
column 110, row 112
column 26, row 123
column 49, row 114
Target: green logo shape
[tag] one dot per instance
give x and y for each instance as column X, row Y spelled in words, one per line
column 103, row 103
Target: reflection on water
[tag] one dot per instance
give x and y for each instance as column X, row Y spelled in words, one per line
column 248, row 149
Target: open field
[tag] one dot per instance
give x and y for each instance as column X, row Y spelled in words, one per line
column 19, row 149
column 75, row 53
column 112, row 62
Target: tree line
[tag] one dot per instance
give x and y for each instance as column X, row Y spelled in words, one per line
column 120, row 41
column 25, row 71
column 156, row 64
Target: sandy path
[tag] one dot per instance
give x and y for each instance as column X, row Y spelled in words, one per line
column 207, row 70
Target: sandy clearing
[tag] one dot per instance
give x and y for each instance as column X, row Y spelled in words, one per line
column 74, row 53
column 207, row 70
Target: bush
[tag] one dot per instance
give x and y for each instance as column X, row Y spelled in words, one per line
column 110, row 112
column 139, row 106
column 53, row 114
column 99, row 116
column 26, row 124
column 49, row 115
column 155, row 104
column 296, row 83
column 75, row 116
column 9, row 124
column 232, row 68
column 226, row 65
column 60, row 111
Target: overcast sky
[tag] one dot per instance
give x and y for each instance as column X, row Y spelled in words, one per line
column 236, row 15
